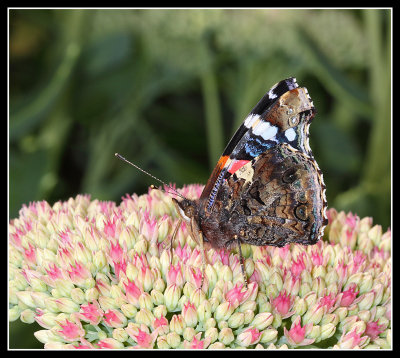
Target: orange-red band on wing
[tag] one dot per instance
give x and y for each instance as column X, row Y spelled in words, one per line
column 237, row 164
column 214, row 175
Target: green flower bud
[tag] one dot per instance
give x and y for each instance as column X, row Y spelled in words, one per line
column 226, row 336
column 14, row 313
column 212, row 334
column 177, row 324
column 327, row 331
column 211, row 322
column 189, row 333
column 268, row 335
column 173, row 339
column 120, row 334
column 144, row 316
column 262, row 320
column 27, row 316
column 78, row 296
column 128, row 310
column 172, row 295
column 223, row 311
column 236, row 320
column 162, row 342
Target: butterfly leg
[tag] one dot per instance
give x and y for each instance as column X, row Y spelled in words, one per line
column 169, row 245
column 241, row 261
column 196, row 232
column 203, row 259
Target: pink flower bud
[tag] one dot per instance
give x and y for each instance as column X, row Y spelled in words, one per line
column 352, row 340
column 71, row 331
column 282, row 304
column 189, row 314
column 91, row 313
column 296, row 335
column 348, row 296
column 114, row 318
column 249, row 337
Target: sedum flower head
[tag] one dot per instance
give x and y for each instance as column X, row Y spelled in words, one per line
column 97, row 275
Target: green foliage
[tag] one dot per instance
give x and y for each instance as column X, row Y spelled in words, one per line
column 167, row 89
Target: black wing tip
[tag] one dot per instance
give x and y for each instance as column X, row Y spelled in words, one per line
column 273, row 94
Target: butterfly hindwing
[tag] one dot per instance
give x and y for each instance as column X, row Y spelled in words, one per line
column 278, row 198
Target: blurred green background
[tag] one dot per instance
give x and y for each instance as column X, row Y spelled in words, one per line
column 168, row 88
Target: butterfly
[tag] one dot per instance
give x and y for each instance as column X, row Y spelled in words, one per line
column 266, row 188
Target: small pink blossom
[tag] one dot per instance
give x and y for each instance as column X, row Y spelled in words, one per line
column 236, row 294
column 197, row 343
column 317, row 258
column 110, row 228
column 78, row 273
column 296, row 335
column 221, row 255
column 352, row 220
column 120, row 266
column 175, row 275
column 297, row 267
column 328, row 301
column 358, row 260
column 114, row 318
column 341, row 270
column 65, row 237
column 195, row 276
column 352, row 340
column 30, row 255
column 116, row 252
column 182, row 253
column 91, row 313
column 71, row 331
column 132, row 292
column 348, row 296
column 161, row 323
column 249, row 337
column 149, row 224
column 284, row 251
column 373, row 329
column 142, row 337
column 109, row 343
column 189, row 313
column 282, row 303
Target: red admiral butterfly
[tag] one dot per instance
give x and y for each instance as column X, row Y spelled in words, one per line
column 266, row 188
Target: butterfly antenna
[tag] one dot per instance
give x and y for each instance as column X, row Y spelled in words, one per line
column 119, row 156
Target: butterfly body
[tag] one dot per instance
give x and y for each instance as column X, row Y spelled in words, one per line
column 266, row 188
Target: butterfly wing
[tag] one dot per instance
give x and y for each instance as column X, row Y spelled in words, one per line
column 281, row 116
column 276, row 199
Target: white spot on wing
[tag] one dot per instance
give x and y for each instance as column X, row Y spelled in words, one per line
column 290, row 134
column 271, row 94
column 265, row 130
column 248, row 122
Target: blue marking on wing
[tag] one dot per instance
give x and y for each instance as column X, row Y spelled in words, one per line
column 255, row 147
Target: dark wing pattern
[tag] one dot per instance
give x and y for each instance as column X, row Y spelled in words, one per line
column 276, row 199
column 281, row 116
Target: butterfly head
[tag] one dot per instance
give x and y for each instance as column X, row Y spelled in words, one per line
column 186, row 208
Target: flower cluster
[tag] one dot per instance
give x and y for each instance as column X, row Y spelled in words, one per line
column 97, row 275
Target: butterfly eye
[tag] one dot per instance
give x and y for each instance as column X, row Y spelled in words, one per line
column 301, row 212
column 289, row 176
column 189, row 211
